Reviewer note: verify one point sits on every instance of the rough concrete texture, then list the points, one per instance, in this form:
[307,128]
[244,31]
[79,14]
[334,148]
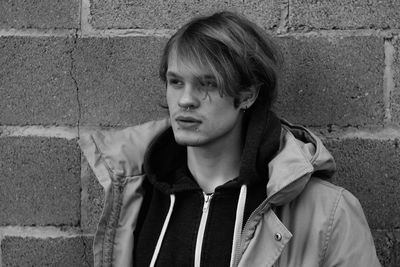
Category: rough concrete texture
[93,202]
[369,169]
[73,251]
[44,14]
[338,14]
[154,14]
[332,80]
[35,82]
[395,94]
[118,80]
[387,245]
[39,181]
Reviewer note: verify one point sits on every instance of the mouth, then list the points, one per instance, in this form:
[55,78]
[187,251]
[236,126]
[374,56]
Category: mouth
[187,122]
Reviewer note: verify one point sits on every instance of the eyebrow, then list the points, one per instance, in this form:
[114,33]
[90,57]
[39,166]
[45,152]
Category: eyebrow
[208,77]
[173,74]
[205,77]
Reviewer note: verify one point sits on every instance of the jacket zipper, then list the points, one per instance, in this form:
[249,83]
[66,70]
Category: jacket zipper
[202,227]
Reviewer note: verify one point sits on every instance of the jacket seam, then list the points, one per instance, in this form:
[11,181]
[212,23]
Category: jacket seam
[110,230]
[330,226]
[101,155]
[113,218]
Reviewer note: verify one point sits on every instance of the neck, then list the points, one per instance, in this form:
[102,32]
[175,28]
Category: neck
[217,163]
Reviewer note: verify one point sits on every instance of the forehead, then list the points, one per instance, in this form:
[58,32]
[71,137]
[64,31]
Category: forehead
[187,66]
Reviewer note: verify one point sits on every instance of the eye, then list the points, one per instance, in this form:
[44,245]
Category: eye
[175,83]
[209,85]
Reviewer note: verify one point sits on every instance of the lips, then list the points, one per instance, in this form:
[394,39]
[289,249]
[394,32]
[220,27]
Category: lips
[187,119]
[187,122]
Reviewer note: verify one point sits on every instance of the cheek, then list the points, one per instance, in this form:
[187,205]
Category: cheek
[170,96]
[224,117]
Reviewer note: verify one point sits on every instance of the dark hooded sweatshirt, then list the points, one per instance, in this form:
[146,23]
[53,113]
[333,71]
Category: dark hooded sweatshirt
[167,172]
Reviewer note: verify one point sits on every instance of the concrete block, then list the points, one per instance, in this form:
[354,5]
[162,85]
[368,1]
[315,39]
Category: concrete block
[153,14]
[369,169]
[395,87]
[35,82]
[44,14]
[118,80]
[387,245]
[332,80]
[63,251]
[94,199]
[337,14]
[39,181]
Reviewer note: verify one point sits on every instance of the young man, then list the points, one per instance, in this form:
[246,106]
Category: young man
[222,181]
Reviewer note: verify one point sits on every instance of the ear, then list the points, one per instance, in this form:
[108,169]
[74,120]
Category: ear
[248,97]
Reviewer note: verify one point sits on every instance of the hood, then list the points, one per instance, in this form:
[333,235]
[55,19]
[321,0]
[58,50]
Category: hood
[301,155]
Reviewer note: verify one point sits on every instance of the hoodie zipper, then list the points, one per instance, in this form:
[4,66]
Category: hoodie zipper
[202,227]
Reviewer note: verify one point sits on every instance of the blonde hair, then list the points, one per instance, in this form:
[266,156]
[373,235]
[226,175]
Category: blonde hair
[236,51]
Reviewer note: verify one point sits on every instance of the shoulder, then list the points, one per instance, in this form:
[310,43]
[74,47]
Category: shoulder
[323,207]
[346,233]
[328,200]
[320,193]
[119,152]
[330,222]
[323,191]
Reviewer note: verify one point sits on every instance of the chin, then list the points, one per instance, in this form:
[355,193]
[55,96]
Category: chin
[186,140]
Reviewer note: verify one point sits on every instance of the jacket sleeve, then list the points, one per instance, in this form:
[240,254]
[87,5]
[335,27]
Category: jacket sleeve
[116,158]
[350,242]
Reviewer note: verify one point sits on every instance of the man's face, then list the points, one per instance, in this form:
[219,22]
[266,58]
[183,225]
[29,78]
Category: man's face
[200,116]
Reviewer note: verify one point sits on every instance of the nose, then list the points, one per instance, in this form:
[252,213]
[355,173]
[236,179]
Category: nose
[189,97]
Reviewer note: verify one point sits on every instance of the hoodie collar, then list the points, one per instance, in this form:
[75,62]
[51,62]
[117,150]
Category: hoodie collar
[164,164]
[261,144]
[299,154]
[165,159]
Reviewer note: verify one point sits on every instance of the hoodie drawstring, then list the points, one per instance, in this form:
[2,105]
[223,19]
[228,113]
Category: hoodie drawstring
[163,230]
[236,234]
[238,224]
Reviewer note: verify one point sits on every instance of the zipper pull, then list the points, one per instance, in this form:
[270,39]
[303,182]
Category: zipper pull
[207,199]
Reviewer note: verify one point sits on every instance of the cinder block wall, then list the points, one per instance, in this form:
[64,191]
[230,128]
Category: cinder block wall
[67,66]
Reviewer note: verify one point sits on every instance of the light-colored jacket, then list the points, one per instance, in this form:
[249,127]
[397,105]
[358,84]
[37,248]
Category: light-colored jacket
[304,220]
